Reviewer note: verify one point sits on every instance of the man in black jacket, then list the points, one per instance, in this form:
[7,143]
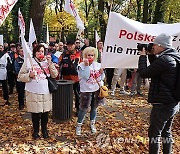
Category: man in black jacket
[162,71]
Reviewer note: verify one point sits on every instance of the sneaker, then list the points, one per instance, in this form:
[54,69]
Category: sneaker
[78,129]
[93,127]
[112,93]
[132,94]
[123,92]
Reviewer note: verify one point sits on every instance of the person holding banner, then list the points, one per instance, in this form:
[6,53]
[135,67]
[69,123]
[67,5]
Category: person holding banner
[163,72]
[89,72]
[38,97]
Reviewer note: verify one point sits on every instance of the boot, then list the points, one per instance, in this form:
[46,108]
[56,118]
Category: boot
[92,125]
[44,121]
[78,129]
[35,121]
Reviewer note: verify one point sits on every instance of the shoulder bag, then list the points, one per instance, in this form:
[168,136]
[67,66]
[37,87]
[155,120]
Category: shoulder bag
[52,83]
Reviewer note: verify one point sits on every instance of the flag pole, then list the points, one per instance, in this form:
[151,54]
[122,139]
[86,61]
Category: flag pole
[111,3]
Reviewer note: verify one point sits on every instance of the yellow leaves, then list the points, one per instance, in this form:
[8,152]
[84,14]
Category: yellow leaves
[122,127]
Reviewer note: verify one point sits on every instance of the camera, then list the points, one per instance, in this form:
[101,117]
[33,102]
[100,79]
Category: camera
[147,47]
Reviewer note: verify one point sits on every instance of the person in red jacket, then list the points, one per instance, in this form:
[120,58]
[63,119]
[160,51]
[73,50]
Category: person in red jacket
[69,61]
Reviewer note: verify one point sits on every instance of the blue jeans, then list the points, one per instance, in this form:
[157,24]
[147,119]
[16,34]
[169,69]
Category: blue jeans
[87,99]
[161,120]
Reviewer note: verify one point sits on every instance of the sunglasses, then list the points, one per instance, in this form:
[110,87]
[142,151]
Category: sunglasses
[90,55]
[78,42]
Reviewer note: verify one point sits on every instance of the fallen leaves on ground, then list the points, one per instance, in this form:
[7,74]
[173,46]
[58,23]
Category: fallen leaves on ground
[122,126]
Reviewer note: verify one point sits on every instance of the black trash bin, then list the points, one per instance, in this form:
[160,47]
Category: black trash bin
[62,101]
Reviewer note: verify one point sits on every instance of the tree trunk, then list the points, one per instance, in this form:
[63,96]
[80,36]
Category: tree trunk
[159,11]
[37,13]
[138,10]
[145,11]
[101,19]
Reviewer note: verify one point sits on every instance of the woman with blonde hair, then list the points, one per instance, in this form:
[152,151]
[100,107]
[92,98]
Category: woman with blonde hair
[89,72]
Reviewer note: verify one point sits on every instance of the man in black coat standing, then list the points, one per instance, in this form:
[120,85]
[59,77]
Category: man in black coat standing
[163,72]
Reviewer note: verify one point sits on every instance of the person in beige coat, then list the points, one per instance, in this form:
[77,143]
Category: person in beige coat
[38,97]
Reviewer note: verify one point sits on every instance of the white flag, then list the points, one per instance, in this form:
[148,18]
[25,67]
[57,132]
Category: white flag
[21,22]
[32,34]
[97,38]
[70,8]
[26,50]
[5,8]
[3,2]
[47,35]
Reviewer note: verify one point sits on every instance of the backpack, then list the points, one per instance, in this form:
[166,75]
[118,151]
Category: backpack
[176,90]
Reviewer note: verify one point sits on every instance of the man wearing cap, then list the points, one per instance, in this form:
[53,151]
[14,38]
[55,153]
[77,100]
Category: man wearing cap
[163,72]
[69,61]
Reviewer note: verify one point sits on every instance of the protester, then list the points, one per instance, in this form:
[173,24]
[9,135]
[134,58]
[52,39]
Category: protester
[163,73]
[20,86]
[90,72]
[86,44]
[38,97]
[136,84]
[100,50]
[61,47]
[119,72]
[3,74]
[52,51]
[6,47]
[69,61]
[10,68]
[77,45]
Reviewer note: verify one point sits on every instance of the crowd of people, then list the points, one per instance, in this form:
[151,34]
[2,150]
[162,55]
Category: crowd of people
[82,64]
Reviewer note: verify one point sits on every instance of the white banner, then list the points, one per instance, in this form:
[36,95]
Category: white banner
[5,9]
[71,9]
[123,35]
[3,2]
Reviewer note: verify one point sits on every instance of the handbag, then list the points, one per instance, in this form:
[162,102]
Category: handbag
[52,83]
[103,90]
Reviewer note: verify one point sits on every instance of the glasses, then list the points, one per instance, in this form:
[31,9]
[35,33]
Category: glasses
[77,42]
[90,55]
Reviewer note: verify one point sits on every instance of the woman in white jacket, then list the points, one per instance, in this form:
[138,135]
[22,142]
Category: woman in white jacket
[3,74]
[38,97]
[89,72]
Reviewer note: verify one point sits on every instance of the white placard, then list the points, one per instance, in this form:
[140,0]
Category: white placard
[122,36]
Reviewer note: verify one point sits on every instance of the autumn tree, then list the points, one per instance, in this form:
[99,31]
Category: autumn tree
[37,13]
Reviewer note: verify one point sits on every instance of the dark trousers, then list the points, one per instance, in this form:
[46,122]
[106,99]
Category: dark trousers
[76,89]
[5,89]
[109,76]
[20,86]
[36,117]
[11,81]
[161,119]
